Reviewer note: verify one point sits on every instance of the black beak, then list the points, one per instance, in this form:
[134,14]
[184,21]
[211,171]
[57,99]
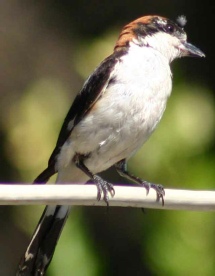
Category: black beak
[188,49]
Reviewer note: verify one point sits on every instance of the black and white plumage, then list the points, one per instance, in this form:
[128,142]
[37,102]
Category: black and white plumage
[116,111]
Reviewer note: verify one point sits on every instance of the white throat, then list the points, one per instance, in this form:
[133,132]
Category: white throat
[166,44]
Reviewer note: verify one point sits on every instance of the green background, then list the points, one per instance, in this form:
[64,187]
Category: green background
[47,50]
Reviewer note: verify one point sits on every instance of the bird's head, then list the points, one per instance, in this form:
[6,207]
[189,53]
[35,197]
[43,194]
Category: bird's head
[159,33]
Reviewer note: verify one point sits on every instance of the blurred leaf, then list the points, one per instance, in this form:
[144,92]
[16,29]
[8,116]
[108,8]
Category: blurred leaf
[93,51]
[33,125]
[75,254]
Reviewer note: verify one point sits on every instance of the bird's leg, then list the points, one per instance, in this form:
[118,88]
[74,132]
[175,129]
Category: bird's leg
[121,168]
[102,185]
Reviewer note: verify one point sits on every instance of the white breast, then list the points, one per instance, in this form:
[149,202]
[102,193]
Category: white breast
[127,113]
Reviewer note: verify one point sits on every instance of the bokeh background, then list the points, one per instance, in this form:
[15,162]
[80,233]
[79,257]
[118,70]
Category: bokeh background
[47,49]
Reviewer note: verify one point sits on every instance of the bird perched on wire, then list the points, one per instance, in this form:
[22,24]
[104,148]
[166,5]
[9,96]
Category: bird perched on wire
[113,115]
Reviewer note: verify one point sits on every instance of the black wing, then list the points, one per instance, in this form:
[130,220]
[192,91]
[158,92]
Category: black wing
[87,97]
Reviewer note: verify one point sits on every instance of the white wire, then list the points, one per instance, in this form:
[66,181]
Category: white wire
[124,197]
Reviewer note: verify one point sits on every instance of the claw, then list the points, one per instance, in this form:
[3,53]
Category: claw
[104,188]
[157,187]
[111,189]
[99,193]
[147,186]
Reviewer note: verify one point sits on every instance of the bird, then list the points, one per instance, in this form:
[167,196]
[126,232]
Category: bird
[113,115]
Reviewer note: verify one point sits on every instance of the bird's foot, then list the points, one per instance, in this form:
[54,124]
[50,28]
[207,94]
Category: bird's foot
[104,188]
[157,187]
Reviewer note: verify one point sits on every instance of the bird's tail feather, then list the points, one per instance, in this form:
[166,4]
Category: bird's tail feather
[43,242]
[45,175]
[42,245]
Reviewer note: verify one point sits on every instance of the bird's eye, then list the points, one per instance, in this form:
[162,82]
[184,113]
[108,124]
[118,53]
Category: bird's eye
[170,28]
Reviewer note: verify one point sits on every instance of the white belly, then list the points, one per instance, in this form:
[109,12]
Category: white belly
[124,117]
[116,131]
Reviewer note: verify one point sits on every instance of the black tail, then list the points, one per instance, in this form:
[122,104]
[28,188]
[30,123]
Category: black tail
[43,242]
[45,175]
